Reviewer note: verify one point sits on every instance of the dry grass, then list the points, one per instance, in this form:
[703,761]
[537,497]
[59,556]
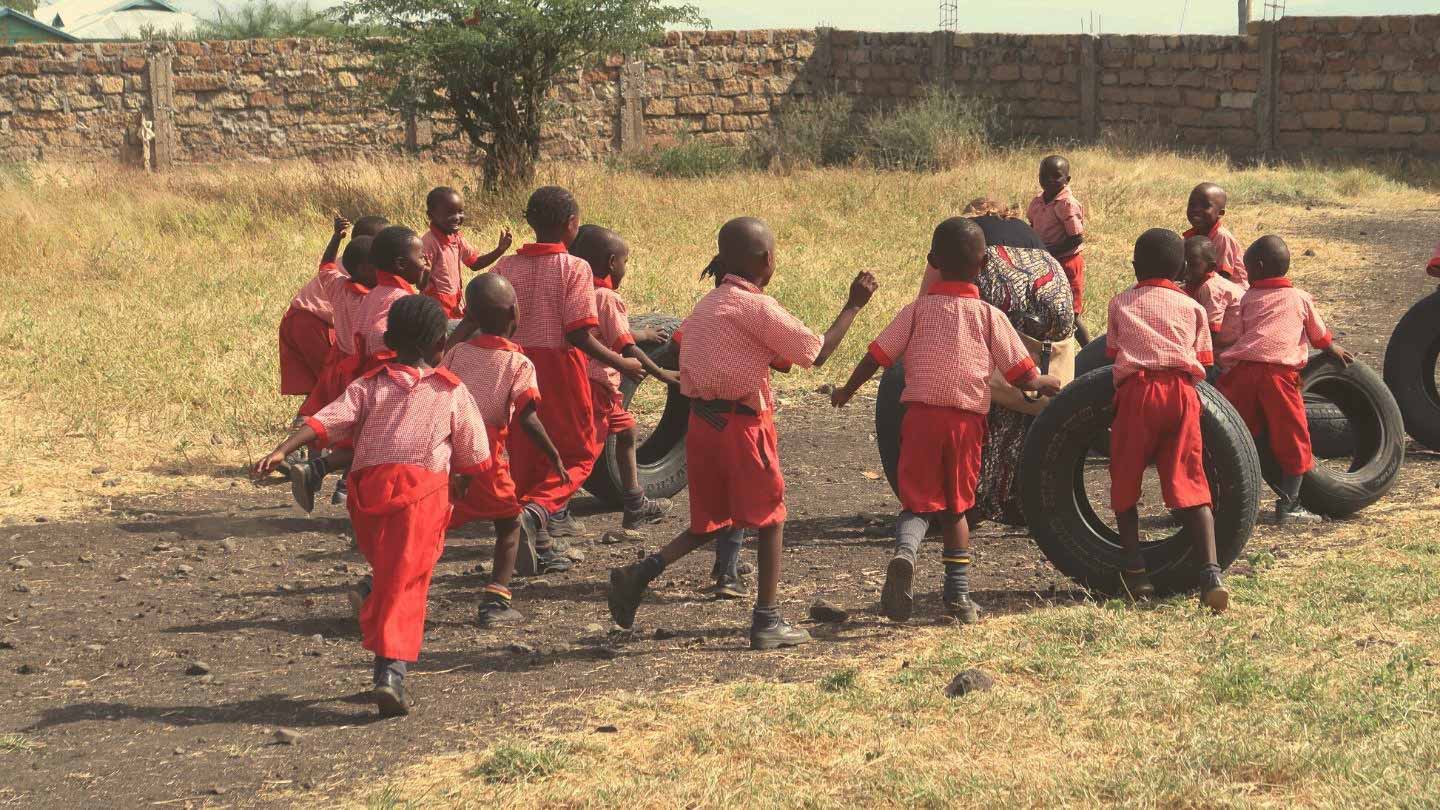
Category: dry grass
[139,334]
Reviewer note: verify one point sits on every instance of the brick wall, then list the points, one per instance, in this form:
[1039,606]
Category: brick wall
[1365,84]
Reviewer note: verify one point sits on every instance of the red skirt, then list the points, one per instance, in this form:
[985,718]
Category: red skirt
[305,343]
[399,512]
[491,495]
[734,476]
[1157,419]
[565,411]
[610,415]
[940,451]
[1268,398]
[1075,274]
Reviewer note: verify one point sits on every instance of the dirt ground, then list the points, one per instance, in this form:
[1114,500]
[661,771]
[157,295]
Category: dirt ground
[151,653]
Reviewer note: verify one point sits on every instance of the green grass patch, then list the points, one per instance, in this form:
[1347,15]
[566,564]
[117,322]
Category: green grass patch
[513,762]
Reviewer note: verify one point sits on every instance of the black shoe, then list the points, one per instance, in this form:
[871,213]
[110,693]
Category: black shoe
[567,526]
[550,561]
[1214,594]
[526,562]
[1137,584]
[627,588]
[342,489]
[305,481]
[963,609]
[728,586]
[652,510]
[897,601]
[391,697]
[778,633]
[495,610]
[1293,513]
[358,594]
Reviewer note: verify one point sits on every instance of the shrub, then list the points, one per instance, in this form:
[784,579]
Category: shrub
[690,157]
[810,132]
[930,134]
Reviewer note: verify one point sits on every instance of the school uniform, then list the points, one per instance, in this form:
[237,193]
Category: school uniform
[342,365]
[1159,340]
[306,332]
[1055,221]
[728,345]
[607,402]
[1219,296]
[447,253]
[951,342]
[555,296]
[411,430]
[1432,268]
[1229,253]
[502,380]
[1274,330]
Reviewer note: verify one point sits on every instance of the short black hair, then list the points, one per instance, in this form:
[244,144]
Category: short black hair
[415,324]
[596,244]
[369,225]
[437,194]
[389,245]
[1271,252]
[1056,162]
[356,253]
[1159,253]
[958,238]
[1202,242]
[550,207]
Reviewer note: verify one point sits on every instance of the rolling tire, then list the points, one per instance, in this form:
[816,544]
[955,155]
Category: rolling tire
[661,457]
[1091,357]
[1378,432]
[889,414]
[1066,525]
[1410,369]
[1330,433]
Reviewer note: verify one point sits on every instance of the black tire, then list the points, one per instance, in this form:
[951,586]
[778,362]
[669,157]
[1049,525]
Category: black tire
[1067,527]
[661,457]
[1410,369]
[1091,357]
[1378,432]
[889,414]
[1330,433]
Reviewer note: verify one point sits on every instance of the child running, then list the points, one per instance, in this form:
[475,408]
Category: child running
[1272,332]
[1204,211]
[951,342]
[1160,341]
[446,249]
[1217,294]
[727,347]
[413,425]
[502,380]
[1059,219]
[306,330]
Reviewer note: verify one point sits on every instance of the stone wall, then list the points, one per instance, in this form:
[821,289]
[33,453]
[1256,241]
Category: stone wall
[1365,84]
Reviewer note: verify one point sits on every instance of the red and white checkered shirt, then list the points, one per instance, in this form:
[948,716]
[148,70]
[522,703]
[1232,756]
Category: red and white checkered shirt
[315,296]
[447,252]
[951,341]
[1276,324]
[614,333]
[1219,296]
[374,313]
[500,377]
[345,301]
[1229,253]
[731,340]
[400,415]
[1433,267]
[1155,326]
[554,294]
[1057,220]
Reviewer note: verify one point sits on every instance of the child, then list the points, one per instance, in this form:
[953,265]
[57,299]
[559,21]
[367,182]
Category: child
[729,344]
[306,333]
[413,425]
[951,342]
[502,380]
[446,249]
[1059,219]
[1160,341]
[1204,210]
[608,256]
[1217,294]
[1271,333]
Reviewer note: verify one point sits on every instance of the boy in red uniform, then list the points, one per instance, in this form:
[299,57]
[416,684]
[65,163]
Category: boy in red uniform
[608,256]
[1205,210]
[951,342]
[305,331]
[1217,294]
[1159,339]
[413,425]
[1059,220]
[446,249]
[1271,337]
[502,380]
[729,344]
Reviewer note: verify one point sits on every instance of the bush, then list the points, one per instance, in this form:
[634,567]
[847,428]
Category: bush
[930,134]
[691,157]
[810,132]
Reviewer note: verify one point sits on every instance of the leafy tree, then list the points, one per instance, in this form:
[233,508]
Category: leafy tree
[490,63]
[26,7]
[270,19]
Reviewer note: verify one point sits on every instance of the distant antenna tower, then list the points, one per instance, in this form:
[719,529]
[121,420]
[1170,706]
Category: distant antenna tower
[949,15]
[1274,9]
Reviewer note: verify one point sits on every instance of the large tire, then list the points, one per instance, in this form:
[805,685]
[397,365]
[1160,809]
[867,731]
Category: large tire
[661,458]
[1091,357]
[1410,369]
[1067,527]
[889,414]
[1379,438]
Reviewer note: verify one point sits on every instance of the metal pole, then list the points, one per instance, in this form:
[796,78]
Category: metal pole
[1245,17]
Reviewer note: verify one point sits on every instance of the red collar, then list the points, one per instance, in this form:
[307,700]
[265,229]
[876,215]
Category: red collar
[604,283]
[1063,195]
[493,342]
[356,287]
[743,283]
[446,239]
[384,279]
[1210,235]
[957,289]
[1194,288]
[403,370]
[1164,283]
[542,249]
[1279,282]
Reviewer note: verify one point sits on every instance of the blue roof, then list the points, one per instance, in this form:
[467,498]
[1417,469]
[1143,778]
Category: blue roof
[6,11]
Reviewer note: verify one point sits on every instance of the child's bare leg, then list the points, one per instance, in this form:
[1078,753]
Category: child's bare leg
[768,630]
[1200,522]
[495,605]
[1136,581]
[639,509]
[628,584]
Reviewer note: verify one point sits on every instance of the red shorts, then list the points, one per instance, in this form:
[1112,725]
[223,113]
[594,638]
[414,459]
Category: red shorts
[940,451]
[305,343]
[1267,396]
[734,474]
[1157,419]
[491,495]
[610,414]
[1075,273]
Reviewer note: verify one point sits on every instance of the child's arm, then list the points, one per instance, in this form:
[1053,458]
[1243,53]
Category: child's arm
[584,339]
[302,436]
[1320,336]
[332,250]
[861,289]
[463,332]
[662,374]
[864,370]
[530,423]
[486,259]
[1066,246]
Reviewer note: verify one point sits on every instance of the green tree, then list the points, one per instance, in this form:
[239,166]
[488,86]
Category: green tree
[270,19]
[491,64]
[26,7]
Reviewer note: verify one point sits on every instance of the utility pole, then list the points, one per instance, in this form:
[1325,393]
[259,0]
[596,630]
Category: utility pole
[1245,17]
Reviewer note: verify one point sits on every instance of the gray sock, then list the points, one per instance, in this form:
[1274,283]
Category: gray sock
[1289,489]
[909,534]
[634,500]
[388,666]
[727,553]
